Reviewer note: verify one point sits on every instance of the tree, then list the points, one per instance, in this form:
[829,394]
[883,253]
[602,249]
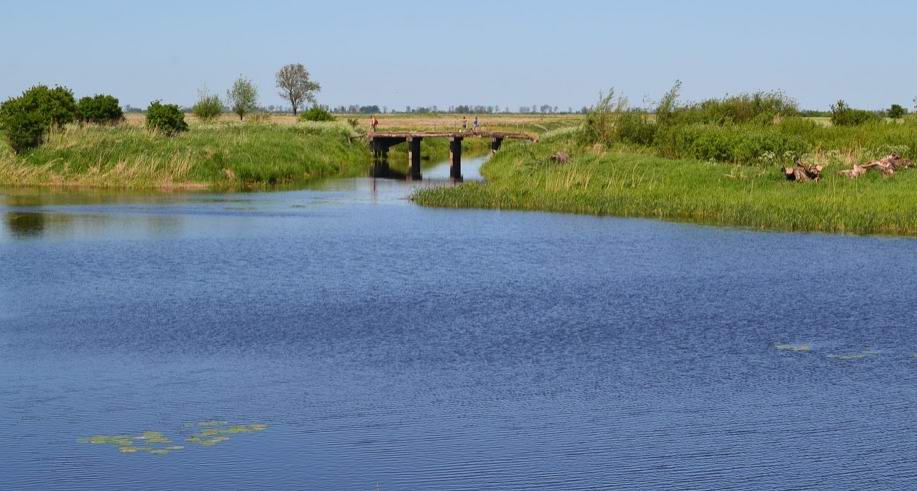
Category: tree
[296,86]
[896,111]
[207,107]
[242,97]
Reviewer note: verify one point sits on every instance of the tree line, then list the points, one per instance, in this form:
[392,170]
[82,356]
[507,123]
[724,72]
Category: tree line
[27,119]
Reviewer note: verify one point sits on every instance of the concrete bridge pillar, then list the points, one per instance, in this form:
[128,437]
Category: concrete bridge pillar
[455,157]
[414,158]
[495,144]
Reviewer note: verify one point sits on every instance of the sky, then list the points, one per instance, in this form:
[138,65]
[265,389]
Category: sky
[505,53]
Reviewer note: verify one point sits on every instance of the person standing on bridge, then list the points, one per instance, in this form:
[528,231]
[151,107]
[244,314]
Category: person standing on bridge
[475,124]
[373,123]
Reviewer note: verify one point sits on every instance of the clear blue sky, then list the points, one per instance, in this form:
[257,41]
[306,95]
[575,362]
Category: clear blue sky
[506,53]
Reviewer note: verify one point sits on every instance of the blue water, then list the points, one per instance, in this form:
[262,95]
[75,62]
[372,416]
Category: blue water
[388,346]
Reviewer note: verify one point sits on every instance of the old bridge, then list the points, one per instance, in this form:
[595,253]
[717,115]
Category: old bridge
[380,142]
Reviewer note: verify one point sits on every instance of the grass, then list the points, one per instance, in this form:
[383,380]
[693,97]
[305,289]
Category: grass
[219,155]
[636,182]
[262,151]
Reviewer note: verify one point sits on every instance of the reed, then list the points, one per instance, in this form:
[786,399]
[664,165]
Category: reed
[637,183]
[220,155]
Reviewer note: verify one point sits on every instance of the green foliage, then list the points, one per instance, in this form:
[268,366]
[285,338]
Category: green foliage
[296,85]
[242,98]
[761,108]
[844,115]
[747,144]
[167,119]
[57,104]
[223,156]
[207,107]
[598,126]
[665,110]
[23,123]
[27,118]
[316,113]
[624,183]
[100,109]
[896,111]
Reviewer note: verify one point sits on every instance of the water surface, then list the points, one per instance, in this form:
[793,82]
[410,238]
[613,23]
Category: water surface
[384,345]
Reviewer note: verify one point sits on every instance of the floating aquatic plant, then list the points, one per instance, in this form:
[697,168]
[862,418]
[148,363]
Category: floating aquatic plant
[798,348]
[209,433]
[854,356]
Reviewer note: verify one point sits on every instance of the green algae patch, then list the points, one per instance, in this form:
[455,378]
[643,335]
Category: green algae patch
[796,348]
[205,434]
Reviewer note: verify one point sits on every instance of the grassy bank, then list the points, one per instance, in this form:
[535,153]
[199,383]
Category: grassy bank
[228,154]
[218,155]
[634,181]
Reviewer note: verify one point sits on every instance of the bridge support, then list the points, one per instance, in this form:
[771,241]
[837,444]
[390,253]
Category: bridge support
[455,157]
[495,144]
[414,158]
[381,144]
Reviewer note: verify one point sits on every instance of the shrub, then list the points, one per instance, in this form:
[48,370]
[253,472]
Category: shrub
[165,118]
[896,111]
[23,124]
[207,108]
[100,109]
[635,127]
[844,115]
[745,144]
[57,104]
[316,113]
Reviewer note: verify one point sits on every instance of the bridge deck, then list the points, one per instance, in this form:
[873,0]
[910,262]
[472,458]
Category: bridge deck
[452,134]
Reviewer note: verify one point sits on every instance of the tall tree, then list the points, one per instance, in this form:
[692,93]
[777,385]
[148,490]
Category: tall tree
[242,97]
[296,86]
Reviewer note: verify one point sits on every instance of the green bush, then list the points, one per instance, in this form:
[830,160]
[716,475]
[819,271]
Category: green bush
[316,113]
[27,118]
[207,108]
[23,124]
[760,108]
[745,144]
[635,127]
[100,109]
[167,119]
[57,104]
[844,115]
[896,111]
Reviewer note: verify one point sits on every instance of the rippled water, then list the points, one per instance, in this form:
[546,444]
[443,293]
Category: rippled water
[374,344]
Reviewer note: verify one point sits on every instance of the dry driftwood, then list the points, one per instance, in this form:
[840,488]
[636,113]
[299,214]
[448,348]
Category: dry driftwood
[561,157]
[803,172]
[887,166]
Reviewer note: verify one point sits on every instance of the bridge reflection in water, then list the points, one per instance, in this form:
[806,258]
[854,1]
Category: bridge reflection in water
[381,142]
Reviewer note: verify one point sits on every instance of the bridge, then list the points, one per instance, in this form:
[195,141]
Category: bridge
[380,142]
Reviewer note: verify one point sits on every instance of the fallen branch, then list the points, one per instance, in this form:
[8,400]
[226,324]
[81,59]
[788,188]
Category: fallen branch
[887,166]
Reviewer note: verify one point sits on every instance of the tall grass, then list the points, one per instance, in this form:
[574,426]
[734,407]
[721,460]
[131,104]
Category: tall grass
[214,154]
[633,184]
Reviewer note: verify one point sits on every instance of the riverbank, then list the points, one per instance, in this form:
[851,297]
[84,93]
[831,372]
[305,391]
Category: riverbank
[631,181]
[222,155]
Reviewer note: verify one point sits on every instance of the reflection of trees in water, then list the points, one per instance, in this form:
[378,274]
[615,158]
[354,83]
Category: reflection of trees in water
[25,224]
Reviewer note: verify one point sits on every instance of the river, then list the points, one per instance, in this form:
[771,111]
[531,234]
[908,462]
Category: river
[340,337]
